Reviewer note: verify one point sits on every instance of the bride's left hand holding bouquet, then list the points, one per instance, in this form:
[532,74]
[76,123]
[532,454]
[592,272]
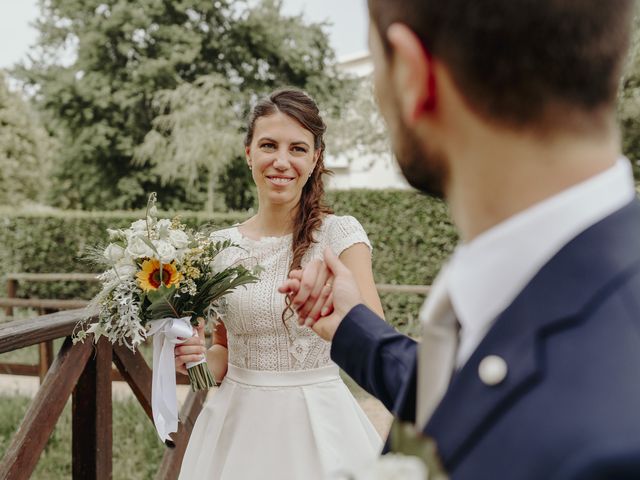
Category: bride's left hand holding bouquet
[161,280]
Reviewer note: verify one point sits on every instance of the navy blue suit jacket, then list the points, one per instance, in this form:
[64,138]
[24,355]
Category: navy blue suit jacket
[569,407]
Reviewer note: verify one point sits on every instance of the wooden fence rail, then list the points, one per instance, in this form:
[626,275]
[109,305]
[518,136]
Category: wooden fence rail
[49,305]
[44,306]
[83,372]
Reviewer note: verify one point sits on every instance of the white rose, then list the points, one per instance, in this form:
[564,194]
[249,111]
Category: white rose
[178,239]
[162,227]
[113,252]
[166,251]
[139,226]
[137,248]
[125,270]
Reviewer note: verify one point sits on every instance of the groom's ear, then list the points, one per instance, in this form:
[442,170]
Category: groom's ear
[412,73]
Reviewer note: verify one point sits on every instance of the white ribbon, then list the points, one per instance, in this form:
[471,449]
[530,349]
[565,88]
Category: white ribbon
[167,333]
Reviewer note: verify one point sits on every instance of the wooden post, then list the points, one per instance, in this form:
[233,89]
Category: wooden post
[92,418]
[27,444]
[12,290]
[45,354]
[135,371]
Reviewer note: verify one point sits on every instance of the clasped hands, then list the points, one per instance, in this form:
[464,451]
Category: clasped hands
[322,293]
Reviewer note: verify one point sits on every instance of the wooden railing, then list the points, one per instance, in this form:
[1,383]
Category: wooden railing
[44,306]
[83,371]
[49,305]
[391,288]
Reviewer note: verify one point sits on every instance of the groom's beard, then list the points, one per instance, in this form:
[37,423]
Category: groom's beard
[424,167]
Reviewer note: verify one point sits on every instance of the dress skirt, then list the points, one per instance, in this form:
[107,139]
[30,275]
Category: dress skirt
[300,425]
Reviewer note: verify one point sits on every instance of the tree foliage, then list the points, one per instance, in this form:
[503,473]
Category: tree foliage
[237,186]
[25,150]
[629,102]
[197,130]
[117,89]
[358,129]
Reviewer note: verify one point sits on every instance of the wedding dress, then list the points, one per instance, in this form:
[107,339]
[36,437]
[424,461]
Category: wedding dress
[282,411]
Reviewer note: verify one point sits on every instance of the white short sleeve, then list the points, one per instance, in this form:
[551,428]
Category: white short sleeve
[343,232]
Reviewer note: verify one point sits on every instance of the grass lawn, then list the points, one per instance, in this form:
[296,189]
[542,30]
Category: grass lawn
[137,451]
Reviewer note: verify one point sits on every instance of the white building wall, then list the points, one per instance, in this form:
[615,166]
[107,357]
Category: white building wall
[375,172]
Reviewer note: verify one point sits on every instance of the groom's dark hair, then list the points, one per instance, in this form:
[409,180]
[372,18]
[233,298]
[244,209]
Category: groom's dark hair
[521,62]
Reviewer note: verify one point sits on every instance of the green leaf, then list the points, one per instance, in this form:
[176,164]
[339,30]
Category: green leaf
[161,294]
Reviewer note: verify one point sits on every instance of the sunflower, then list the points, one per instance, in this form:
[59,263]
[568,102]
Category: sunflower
[149,276]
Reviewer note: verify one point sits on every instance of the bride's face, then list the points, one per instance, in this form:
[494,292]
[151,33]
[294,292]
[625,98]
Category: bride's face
[281,157]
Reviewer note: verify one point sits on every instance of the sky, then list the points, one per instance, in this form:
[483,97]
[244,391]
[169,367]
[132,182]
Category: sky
[347,25]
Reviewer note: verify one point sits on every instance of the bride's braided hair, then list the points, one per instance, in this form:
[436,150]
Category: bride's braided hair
[312,209]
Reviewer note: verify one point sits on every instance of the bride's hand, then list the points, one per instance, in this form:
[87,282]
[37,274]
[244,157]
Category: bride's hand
[322,294]
[192,350]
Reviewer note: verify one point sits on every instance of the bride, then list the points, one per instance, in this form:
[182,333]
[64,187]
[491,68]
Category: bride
[282,411]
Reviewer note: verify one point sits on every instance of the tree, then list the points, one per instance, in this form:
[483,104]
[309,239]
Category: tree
[629,102]
[25,149]
[198,130]
[359,129]
[236,184]
[130,55]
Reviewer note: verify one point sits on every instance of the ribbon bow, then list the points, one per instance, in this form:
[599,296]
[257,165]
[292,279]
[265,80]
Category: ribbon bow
[167,333]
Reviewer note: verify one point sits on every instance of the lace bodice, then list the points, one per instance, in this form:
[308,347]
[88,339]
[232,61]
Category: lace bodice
[257,337]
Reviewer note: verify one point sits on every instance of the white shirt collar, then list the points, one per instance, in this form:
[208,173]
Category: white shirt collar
[485,275]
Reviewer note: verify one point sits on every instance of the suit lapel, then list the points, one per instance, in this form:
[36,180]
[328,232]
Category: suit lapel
[592,262]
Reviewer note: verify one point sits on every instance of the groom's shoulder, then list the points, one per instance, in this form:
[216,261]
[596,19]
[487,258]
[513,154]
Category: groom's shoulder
[622,302]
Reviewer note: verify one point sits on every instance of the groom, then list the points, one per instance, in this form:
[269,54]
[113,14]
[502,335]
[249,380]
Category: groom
[529,362]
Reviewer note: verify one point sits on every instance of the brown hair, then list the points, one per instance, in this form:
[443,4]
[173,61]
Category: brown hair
[521,62]
[312,209]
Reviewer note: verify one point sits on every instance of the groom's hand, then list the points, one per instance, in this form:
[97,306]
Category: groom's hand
[322,294]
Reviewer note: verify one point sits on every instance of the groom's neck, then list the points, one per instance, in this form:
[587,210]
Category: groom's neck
[495,174]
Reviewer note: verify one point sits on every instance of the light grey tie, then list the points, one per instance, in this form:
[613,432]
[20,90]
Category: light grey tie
[437,354]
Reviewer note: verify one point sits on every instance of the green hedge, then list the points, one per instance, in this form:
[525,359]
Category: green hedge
[411,236]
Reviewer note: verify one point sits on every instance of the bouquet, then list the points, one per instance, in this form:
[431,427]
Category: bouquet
[161,279]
